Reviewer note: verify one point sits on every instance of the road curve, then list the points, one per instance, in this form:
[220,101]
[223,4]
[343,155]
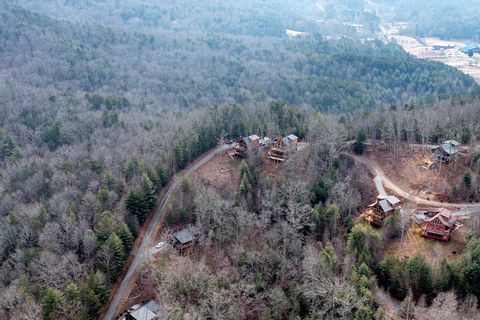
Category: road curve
[140,252]
[382,181]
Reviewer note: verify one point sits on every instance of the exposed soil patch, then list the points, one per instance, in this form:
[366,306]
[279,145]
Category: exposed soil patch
[408,168]
[220,173]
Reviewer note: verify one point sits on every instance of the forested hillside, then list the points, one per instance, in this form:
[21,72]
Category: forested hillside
[438,18]
[98,108]
[191,69]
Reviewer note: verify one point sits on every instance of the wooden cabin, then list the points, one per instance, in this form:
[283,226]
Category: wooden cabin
[278,153]
[385,206]
[447,152]
[245,146]
[239,149]
[185,240]
[254,142]
[145,311]
[439,226]
[291,142]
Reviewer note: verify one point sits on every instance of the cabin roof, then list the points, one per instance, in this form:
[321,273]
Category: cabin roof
[392,200]
[146,312]
[253,137]
[292,137]
[445,218]
[185,236]
[449,146]
[385,205]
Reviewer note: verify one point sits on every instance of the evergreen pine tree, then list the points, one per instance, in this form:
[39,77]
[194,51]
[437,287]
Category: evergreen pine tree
[105,226]
[162,173]
[155,179]
[245,186]
[149,196]
[126,236]
[134,204]
[72,294]
[116,246]
[179,156]
[52,300]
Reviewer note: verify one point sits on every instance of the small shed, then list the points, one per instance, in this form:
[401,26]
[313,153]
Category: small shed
[184,240]
[440,226]
[447,152]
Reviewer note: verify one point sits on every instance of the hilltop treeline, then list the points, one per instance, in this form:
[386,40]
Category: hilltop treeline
[197,69]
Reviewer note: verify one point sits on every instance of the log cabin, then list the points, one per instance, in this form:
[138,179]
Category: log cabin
[440,226]
[385,206]
[447,152]
[185,240]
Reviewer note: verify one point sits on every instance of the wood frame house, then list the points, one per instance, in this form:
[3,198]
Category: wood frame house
[283,147]
[447,152]
[291,142]
[254,142]
[245,146]
[385,206]
[185,240]
[278,153]
[439,226]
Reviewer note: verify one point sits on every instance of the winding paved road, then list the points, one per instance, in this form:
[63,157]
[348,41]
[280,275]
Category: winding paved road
[382,181]
[149,234]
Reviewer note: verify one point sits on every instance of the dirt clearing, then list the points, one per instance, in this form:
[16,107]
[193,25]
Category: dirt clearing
[409,170]
[434,251]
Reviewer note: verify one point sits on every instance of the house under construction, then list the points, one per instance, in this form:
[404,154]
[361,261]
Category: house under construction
[282,148]
[244,146]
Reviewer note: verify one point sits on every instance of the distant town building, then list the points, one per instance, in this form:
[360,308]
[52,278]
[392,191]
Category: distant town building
[184,240]
[470,49]
[447,152]
[385,206]
[145,311]
[438,224]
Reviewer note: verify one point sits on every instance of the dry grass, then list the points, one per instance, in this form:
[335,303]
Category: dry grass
[434,251]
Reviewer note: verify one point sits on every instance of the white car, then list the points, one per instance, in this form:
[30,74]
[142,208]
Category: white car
[159,245]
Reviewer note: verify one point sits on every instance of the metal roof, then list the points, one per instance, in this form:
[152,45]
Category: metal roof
[392,200]
[450,146]
[453,142]
[385,205]
[253,137]
[145,312]
[186,235]
[292,137]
